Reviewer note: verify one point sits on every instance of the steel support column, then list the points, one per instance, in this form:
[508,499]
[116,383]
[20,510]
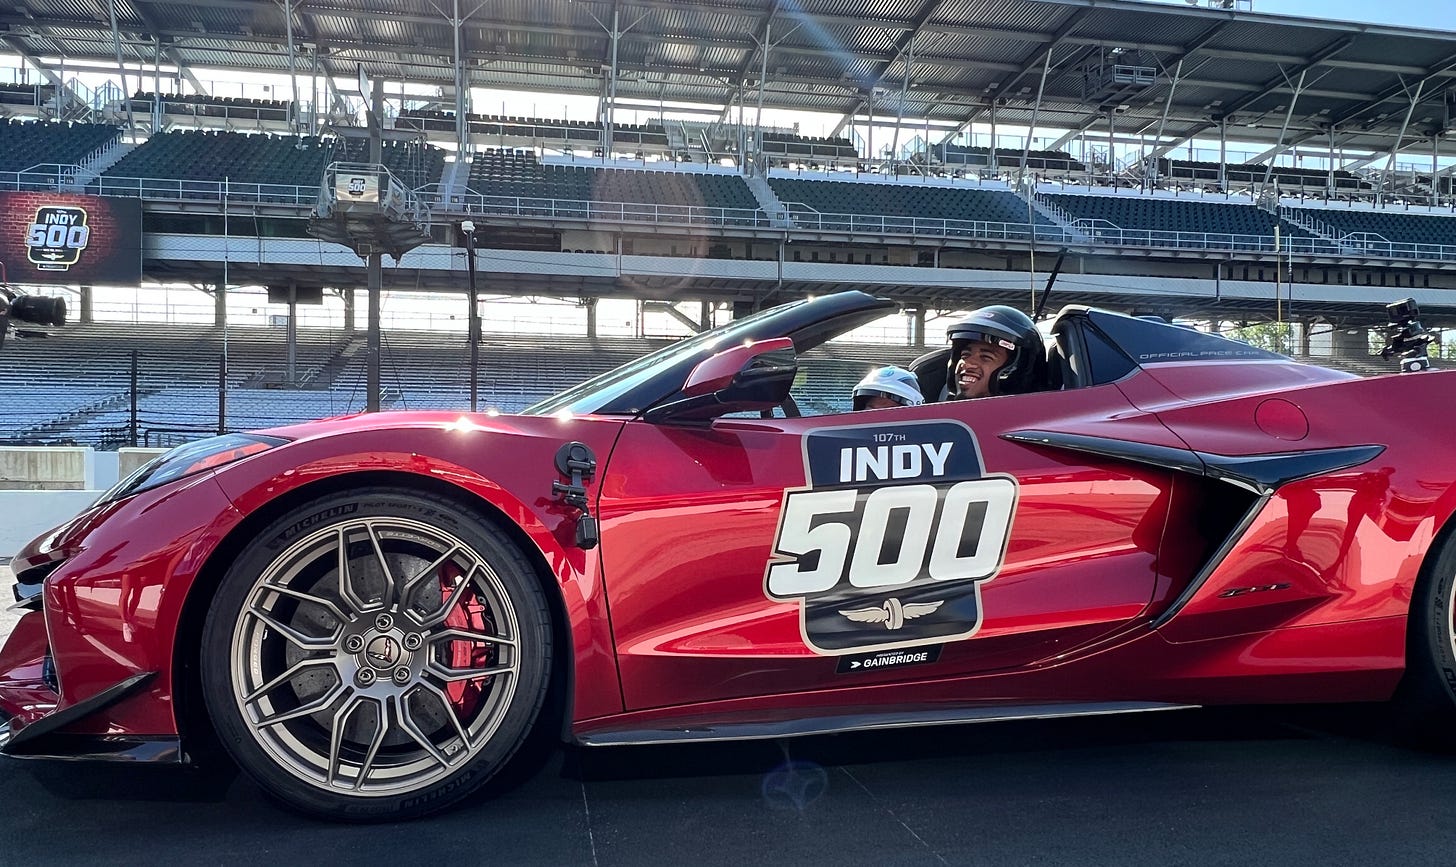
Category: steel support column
[1284,129]
[376,260]
[900,112]
[292,72]
[1385,176]
[1035,110]
[870,126]
[1435,179]
[608,121]
[991,155]
[313,95]
[1177,74]
[157,84]
[462,87]
[762,78]
[1223,154]
[121,67]
[1111,147]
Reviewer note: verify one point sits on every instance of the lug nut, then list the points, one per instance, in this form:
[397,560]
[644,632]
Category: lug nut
[365,676]
[383,622]
[354,643]
[402,675]
[413,641]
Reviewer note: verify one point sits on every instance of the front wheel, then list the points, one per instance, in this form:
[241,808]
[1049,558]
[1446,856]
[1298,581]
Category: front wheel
[1427,695]
[377,654]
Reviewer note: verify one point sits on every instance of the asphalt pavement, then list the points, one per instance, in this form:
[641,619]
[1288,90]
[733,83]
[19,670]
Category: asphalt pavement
[1293,786]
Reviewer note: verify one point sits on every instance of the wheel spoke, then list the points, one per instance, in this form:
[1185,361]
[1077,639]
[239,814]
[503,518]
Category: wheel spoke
[301,665]
[384,571]
[326,604]
[470,635]
[305,642]
[455,675]
[306,709]
[411,584]
[449,709]
[456,594]
[380,730]
[407,722]
[346,578]
[336,737]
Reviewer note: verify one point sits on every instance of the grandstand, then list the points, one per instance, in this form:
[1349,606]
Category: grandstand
[178,369]
[1008,142]
[25,144]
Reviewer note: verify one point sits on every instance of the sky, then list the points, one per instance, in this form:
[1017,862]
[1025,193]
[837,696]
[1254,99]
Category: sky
[1430,14]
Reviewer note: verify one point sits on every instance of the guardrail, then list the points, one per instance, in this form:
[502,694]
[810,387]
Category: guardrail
[476,204]
[434,199]
[231,192]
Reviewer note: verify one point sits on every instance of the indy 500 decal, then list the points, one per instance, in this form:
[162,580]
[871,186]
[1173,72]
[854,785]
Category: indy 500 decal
[889,544]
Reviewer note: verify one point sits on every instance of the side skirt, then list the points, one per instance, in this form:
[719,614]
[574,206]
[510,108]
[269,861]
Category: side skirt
[747,731]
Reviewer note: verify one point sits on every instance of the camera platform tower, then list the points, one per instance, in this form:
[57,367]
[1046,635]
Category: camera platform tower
[366,208]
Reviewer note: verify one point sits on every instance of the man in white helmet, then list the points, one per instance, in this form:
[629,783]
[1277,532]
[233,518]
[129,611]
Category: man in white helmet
[887,387]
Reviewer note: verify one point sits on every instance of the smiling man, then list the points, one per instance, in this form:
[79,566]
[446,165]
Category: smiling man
[995,350]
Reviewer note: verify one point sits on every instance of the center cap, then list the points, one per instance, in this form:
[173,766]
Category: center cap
[383,653]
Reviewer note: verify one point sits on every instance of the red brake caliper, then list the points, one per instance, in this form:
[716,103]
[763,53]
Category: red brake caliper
[469,614]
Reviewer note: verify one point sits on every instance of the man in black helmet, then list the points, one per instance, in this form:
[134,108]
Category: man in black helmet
[995,350]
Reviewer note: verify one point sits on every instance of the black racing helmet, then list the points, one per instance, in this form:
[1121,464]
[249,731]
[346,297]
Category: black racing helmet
[1011,329]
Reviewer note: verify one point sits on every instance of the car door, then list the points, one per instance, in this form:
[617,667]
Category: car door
[755,556]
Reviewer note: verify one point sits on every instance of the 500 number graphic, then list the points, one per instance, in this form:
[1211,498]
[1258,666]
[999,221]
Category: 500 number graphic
[57,236]
[904,532]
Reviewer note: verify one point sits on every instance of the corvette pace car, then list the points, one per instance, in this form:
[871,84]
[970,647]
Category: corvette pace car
[372,613]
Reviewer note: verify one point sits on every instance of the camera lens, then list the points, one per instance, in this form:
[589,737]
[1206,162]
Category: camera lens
[39,310]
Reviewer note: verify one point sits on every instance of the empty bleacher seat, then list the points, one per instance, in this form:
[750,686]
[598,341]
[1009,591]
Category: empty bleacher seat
[1149,214]
[26,144]
[933,202]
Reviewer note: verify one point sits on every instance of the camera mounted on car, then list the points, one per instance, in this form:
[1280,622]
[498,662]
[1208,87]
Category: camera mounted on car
[1405,338]
[34,309]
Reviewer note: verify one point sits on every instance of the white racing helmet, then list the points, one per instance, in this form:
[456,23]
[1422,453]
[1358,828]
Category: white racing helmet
[896,383]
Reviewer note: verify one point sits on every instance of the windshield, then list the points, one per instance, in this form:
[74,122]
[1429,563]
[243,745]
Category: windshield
[600,391]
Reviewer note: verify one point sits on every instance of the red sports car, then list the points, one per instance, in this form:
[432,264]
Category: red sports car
[373,613]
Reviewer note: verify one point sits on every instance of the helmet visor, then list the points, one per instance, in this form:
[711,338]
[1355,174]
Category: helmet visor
[862,397]
[971,335]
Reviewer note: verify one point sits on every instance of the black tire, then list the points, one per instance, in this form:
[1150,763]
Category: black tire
[393,693]
[1426,700]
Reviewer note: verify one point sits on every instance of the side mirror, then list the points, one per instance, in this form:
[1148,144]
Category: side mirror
[749,377]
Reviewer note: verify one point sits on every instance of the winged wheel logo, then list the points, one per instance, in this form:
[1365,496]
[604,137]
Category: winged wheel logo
[892,613]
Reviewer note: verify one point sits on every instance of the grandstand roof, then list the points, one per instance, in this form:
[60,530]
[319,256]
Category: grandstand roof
[829,55]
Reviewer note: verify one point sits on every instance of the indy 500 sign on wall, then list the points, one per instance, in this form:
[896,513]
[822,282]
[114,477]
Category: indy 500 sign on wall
[68,238]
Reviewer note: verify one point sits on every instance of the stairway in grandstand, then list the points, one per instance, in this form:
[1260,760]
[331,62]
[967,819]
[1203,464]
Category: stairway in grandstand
[94,165]
[1049,210]
[1309,223]
[778,214]
[81,417]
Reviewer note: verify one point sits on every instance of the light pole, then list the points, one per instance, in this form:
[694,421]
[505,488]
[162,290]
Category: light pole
[467,231]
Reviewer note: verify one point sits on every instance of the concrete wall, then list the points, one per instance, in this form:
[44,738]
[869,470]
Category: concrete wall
[47,469]
[42,488]
[129,460]
[25,515]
